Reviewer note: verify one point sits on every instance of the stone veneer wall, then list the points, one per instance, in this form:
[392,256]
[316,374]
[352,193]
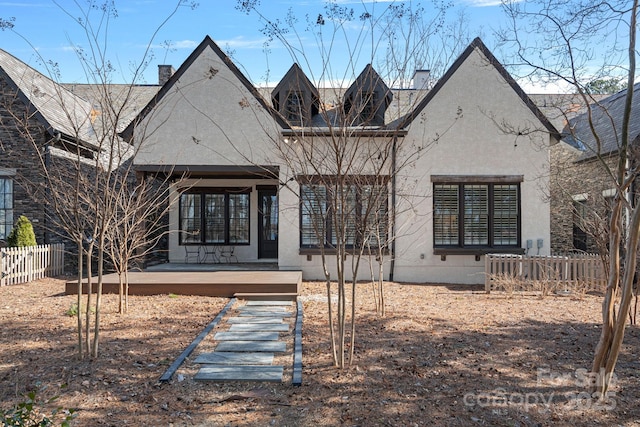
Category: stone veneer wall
[20,138]
[570,178]
[17,151]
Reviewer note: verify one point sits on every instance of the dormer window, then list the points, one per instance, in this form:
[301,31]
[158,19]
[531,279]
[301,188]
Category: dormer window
[296,98]
[366,101]
[294,107]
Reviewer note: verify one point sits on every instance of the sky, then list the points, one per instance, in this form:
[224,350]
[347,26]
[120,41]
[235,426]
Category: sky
[47,32]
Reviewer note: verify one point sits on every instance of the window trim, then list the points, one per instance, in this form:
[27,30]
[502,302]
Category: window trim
[490,181]
[203,192]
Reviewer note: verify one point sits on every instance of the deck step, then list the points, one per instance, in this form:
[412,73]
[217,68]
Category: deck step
[273,308]
[263,313]
[262,296]
[272,303]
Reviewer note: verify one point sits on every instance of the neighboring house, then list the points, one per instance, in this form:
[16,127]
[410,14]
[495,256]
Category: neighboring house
[581,186]
[44,124]
[40,122]
[477,185]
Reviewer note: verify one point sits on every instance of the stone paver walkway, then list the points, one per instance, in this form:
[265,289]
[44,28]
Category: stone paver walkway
[246,349]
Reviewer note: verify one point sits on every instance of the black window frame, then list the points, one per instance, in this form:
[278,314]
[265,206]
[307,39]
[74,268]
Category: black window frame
[227,194]
[6,206]
[579,234]
[327,212]
[491,245]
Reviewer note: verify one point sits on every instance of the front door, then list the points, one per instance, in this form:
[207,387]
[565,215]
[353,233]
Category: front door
[267,222]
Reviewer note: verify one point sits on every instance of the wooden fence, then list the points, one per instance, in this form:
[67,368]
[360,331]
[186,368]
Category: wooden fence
[562,273]
[21,265]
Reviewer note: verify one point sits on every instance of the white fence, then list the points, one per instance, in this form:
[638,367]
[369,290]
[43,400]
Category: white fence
[21,265]
[573,272]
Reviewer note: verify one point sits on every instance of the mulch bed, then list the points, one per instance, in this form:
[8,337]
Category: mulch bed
[443,355]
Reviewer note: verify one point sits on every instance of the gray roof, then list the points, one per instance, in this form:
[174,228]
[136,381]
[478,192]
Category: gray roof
[125,100]
[55,107]
[404,100]
[606,117]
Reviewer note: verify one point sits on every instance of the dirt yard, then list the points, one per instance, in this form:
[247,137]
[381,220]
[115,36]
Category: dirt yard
[443,356]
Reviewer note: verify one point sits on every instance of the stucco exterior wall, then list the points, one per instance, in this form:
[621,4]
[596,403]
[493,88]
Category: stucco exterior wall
[206,118]
[471,127]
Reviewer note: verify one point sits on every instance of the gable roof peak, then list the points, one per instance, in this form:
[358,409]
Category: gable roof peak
[295,76]
[369,80]
[207,42]
[478,44]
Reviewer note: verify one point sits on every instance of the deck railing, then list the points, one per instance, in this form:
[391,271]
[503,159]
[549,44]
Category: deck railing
[571,272]
[21,265]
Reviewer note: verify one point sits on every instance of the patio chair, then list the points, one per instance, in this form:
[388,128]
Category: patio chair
[211,251]
[191,252]
[227,254]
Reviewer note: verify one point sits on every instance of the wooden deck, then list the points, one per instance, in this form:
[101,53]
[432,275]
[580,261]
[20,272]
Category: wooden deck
[205,283]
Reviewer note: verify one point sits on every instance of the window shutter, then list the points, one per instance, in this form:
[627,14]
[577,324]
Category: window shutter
[476,215]
[445,214]
[505,215]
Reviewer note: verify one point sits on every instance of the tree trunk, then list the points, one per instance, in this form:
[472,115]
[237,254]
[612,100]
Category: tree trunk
[88,306]
[79,300]
[96,326]
[613,351]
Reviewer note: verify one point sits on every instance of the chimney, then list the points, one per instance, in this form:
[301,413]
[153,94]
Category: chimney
[164,73]
[421,79]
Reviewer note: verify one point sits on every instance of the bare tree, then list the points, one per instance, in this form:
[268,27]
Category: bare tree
[343,145]
[139,224]
[85,165]
[563,54]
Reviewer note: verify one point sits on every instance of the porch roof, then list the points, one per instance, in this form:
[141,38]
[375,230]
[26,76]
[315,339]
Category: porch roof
[209,171]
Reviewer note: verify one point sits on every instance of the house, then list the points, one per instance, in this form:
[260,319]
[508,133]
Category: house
[581,185]
[459,173]
[55,129]
[40,123]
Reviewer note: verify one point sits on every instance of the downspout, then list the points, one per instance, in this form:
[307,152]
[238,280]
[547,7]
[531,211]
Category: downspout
[393,208]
